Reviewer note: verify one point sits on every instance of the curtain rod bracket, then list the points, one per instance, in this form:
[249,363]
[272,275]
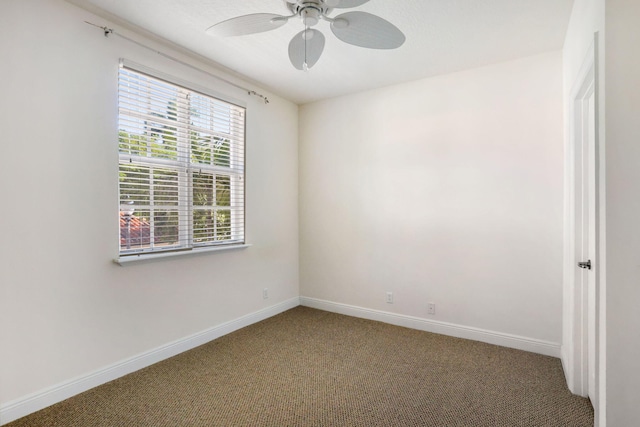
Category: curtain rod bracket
[254,93]
[106,29]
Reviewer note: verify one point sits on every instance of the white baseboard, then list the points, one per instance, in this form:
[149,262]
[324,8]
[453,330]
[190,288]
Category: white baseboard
[506,340]
[19,408]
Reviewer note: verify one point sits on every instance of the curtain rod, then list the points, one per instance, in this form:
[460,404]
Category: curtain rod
[108,31]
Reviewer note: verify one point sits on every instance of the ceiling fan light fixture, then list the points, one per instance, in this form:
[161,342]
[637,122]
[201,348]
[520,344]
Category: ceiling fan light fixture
[310,16]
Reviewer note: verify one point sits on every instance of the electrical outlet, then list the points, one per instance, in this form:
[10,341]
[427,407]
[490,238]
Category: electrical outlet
[431,308]
[389,297]
[265,293]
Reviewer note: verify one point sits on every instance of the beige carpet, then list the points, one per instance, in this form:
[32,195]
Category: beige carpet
[312,368]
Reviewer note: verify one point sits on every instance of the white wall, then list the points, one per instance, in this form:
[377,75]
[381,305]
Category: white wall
[65,308]
[444,190]
[622,171]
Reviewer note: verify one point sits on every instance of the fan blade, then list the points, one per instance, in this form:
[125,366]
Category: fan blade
[248,24]
[345,4]
[305,48]
[367,30]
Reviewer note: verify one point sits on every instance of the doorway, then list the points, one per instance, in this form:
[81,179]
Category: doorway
[585,231]
[582,342]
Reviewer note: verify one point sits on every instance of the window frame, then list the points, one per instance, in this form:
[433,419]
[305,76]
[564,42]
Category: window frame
[185,170]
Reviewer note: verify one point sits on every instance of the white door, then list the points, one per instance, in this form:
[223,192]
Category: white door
[585,233]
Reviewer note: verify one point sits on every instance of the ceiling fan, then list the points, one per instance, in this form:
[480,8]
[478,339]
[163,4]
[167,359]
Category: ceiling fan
[357,28]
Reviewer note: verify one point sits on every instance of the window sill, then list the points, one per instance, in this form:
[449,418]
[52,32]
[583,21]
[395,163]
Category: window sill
[144,257]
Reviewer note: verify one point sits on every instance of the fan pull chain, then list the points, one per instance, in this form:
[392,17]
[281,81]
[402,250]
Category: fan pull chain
[305,66]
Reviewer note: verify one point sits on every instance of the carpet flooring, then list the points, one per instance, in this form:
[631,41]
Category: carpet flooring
[307,367]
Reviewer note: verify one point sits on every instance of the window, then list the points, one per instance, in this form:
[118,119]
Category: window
[181,167]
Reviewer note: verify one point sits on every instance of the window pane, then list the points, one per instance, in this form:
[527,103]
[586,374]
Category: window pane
[165,227]
[209,114]
[222,152]
[200,148]
[210,150]
[148,116]
[132,143]
[135,184]
[203,225]
[223,220]
[211,225]
[201,114]
[141,185]
[163,139]
[135,230]
[165,187]
[223,190]
[203,189]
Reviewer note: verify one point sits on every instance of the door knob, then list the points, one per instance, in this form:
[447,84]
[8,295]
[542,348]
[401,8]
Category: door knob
[586,265]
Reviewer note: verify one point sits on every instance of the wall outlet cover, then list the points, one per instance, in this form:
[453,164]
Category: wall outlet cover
[431,308]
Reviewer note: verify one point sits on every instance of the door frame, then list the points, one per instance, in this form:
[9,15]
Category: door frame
[575,305]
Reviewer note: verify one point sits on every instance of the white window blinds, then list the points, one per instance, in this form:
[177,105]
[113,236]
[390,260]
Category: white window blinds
[181,167]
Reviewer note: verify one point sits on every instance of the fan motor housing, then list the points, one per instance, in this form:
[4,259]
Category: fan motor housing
[300,6]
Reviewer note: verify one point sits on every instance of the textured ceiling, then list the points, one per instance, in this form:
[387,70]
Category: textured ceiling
[443,36]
